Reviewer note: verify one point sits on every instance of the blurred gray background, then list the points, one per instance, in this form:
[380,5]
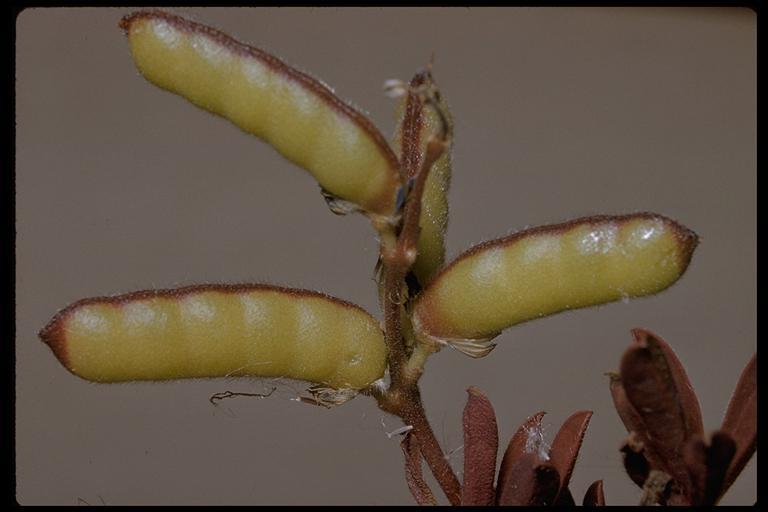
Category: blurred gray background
[560,113]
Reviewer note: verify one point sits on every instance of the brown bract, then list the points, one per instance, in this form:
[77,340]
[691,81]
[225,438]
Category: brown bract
[531,473]
[667,452]
[413,119]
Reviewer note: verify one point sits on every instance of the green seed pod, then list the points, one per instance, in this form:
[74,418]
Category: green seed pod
[549,269]
[415,125]
[295,113]
[216,331]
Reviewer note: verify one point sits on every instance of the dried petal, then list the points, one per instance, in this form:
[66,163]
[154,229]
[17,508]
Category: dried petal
[413,475]
[519,445]
[481,442]
[529,482]
[473,348]
[595,496]
[650,386]
[566,445]
[741,421]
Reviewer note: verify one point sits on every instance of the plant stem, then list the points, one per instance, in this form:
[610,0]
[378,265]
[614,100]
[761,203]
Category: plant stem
[403,399]
[413,414]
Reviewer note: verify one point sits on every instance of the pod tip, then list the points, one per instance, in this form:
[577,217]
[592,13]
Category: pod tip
[53,336]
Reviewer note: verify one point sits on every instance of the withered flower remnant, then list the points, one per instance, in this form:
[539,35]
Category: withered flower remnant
[667,452]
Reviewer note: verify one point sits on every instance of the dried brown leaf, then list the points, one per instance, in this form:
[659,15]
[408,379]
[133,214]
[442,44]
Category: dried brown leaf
[516,449]
[741,421]
[566,445]
[639,455]
[627,412]
[651,380]
[689,403]
[481,443]
[529,482]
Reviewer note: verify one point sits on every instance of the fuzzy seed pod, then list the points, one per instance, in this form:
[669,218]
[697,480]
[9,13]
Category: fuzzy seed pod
[216,331]
[298,115]
[545,270]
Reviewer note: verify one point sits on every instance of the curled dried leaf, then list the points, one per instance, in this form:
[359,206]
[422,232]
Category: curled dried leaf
[652,387]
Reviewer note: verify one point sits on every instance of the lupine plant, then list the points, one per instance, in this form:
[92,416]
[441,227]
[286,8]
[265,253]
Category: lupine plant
[343,351]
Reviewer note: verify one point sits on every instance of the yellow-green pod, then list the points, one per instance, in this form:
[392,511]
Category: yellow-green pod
[416,123]
[548,269]
[295,113]
[216,331]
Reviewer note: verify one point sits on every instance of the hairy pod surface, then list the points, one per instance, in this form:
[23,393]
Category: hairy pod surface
[216,331]
[548,269]
[298,115]
[415,125]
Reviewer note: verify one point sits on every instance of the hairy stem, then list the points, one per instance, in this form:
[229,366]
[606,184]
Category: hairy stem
[403,399]
[413,414]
